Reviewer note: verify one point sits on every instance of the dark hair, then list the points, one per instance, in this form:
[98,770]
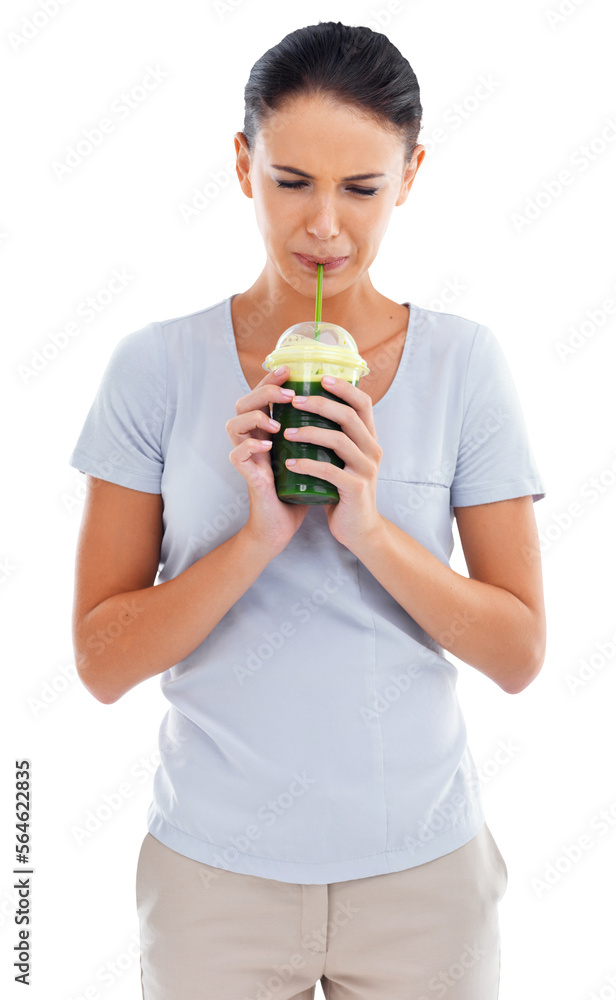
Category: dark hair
[356,65]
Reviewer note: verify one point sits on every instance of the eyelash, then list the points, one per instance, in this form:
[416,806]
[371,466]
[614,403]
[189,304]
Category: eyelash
[299,184]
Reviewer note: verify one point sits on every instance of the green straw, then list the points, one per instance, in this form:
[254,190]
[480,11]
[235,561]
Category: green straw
[317,317]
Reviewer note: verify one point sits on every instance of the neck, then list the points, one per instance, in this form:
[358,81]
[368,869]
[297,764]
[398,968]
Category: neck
[358,308]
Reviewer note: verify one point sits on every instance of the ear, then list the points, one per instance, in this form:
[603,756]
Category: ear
[242,163]
[409,174]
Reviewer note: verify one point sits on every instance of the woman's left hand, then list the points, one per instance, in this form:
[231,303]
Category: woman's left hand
[355,516]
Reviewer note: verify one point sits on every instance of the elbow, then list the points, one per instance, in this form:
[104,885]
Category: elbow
[94,681]
[530,659]
[519,680]
[105,697]
[99,691]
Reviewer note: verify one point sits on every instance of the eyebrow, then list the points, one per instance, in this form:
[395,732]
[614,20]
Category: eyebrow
[301,173]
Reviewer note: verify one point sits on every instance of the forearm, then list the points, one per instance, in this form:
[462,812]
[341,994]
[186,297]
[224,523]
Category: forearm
[481,624]
[132,636]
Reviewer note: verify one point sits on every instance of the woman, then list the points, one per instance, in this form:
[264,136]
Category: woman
[316,811]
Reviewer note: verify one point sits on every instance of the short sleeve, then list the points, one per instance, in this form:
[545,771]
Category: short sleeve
[121,439]
[495,460]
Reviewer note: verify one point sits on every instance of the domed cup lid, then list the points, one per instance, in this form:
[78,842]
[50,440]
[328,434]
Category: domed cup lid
[334,346]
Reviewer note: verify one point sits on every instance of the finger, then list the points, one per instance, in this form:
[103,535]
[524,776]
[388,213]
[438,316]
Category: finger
[279,373]
[351,421]
[355,459]
[254,420]
[322,470]
[247,449]
[355,397]
[263,394]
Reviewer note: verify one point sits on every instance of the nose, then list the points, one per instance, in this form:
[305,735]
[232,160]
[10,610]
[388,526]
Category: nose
[323,221]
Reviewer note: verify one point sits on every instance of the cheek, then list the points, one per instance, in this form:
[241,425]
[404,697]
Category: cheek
[275,219]
[379,221]
[268,218]
[371,228]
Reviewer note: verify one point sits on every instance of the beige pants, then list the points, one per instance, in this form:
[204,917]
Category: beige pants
[419,934]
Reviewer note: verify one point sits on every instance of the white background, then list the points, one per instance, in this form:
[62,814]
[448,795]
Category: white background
[533,282]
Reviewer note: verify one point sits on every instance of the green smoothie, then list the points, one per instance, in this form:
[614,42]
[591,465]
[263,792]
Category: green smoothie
[290,486]
[311,350]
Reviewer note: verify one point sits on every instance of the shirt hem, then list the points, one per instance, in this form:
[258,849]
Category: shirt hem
[467,497]
[84,463]
[317,873]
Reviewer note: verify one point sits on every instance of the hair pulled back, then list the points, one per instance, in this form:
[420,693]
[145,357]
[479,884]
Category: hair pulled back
[355,65]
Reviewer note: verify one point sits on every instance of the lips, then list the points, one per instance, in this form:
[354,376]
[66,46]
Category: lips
[321,260]
[312,262]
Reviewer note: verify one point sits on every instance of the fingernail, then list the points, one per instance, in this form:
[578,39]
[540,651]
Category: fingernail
[292,430]
[279,371]
[328,380]
[299,399]
[274,423]
[288,392]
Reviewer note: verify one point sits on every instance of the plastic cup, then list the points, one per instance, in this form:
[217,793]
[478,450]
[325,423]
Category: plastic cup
[333,353]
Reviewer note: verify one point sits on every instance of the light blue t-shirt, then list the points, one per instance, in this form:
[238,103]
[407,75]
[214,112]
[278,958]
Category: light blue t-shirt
[315,735]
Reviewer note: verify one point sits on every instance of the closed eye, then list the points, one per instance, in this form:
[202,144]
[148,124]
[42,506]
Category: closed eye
[300,184]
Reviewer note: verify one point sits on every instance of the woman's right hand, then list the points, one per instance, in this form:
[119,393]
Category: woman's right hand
[271,521]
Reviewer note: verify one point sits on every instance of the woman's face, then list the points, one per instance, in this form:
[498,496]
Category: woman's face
[325,214]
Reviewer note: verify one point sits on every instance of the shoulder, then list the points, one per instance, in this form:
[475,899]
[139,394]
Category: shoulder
[452,342]
[447,331]
[160,344]
[194,324]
